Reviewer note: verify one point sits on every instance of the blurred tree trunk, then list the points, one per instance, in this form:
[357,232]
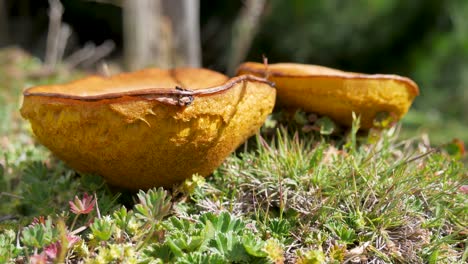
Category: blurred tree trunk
[185,24]
[163,33]
[141,32]
[57,35]
[244,30]
[4,34]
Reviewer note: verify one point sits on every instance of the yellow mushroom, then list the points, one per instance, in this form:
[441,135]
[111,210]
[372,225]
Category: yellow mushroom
[336,93]
[148,128]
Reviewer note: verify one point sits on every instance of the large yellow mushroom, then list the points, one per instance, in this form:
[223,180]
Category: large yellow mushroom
[336,93]
[148,128]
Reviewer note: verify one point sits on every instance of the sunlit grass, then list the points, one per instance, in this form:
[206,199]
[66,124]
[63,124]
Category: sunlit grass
[388,201]
[286,196]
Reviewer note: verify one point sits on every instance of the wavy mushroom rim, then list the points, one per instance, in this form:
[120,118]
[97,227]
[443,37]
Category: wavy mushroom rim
[160,94]
[407,81]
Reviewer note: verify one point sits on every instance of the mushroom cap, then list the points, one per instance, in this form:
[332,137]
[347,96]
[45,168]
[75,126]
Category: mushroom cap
[336,93]
[148,128]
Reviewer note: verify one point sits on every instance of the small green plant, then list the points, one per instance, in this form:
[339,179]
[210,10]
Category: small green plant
[289,198]
[8,249]
[372,198]
[143,234]
[309,193]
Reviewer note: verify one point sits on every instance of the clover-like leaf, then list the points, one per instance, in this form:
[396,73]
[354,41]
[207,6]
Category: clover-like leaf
[279,227]
[253,245]
[327,126]
[153,205]
[223,222]
[39,235]
[229,245]
[103,228]
[198,257]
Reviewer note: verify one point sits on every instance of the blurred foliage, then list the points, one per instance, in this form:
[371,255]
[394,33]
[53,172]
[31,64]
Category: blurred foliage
[425,40]
[216,20]
[363,35]
[440,64]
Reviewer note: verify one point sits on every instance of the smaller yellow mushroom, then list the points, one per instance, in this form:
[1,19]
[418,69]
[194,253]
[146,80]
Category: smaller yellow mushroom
[148,128]
[336,93]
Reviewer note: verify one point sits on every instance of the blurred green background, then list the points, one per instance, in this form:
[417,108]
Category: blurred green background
[426,40]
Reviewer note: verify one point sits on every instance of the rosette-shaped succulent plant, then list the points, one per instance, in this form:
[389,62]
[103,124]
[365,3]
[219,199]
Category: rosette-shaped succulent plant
[148,128]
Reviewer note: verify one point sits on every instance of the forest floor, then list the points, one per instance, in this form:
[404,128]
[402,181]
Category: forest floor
[285,196]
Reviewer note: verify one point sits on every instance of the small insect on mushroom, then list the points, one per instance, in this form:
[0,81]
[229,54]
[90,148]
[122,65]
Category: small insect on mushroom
[184,100]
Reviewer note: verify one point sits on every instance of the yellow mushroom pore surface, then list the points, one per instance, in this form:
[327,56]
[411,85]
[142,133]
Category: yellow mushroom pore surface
[338,94]
[136,142]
